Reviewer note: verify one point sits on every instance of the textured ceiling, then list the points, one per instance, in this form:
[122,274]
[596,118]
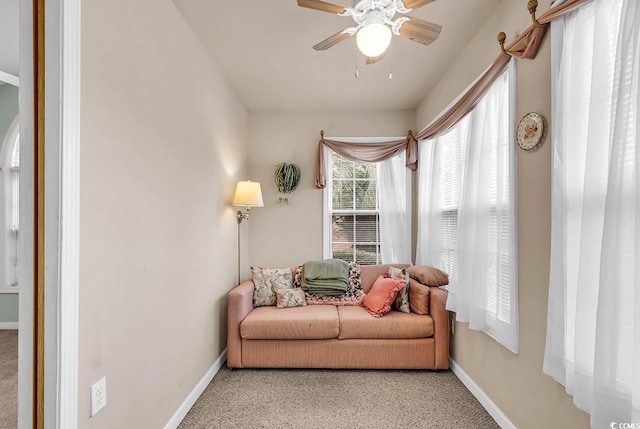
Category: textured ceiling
[264,49]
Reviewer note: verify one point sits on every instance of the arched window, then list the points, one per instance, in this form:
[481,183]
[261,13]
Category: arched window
[9,189]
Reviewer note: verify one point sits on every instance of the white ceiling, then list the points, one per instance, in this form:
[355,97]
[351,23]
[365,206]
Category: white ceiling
[9,32]
[264,48]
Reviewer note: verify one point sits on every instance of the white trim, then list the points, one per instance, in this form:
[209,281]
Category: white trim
[25,313]
[69,217]
[9,78]
[191,399]
[495,412]
[8,326]
[326,198]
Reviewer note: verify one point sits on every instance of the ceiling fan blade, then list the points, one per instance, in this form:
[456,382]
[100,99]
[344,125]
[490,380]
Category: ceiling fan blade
[334,40]
[321,6]
[373,60]
[420,31]
[415,4]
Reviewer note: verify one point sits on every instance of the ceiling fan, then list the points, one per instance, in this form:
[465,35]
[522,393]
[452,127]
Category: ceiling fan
[375,24]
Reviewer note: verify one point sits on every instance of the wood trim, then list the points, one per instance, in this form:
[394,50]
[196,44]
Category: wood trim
[38,245]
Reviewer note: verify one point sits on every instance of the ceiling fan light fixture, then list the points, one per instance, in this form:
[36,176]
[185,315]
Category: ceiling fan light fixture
[373,39]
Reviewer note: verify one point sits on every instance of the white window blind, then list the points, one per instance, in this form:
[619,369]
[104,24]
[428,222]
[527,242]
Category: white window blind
[466,213]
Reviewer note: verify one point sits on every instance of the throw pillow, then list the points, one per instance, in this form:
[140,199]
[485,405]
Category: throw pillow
[418,297]
[401,303]
[297,277]
[287,298]
[266,281]
[383,292]
[429,276]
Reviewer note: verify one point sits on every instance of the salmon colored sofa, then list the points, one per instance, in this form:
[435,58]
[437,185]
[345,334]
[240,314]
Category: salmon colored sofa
[329,336]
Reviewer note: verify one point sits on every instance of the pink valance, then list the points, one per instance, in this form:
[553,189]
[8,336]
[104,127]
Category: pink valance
[368,152]
[524,46]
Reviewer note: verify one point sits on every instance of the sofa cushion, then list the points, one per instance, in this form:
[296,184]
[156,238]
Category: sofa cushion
[299,323]
[418,297]
[429,276]
[356,322]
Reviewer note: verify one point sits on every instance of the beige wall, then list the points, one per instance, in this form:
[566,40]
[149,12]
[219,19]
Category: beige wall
[164,141]
[529,398]
[290,235]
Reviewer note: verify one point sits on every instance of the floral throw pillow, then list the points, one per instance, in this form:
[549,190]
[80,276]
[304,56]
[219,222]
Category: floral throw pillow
[287,298]
[266,282]
[401,302]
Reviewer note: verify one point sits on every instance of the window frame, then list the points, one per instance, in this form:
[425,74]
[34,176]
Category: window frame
[327,193]
[9,181]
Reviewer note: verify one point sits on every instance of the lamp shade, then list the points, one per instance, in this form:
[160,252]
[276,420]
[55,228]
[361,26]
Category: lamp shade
[373,39]
[248,194]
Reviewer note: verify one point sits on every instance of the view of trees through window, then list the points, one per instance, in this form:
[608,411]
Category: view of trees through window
[355,222]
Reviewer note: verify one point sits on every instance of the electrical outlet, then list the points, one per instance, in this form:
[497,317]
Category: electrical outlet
[98,396]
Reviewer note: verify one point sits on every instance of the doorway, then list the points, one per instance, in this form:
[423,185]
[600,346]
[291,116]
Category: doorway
[9,211]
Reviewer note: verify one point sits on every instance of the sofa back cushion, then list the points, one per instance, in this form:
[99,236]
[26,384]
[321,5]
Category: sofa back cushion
[370,273]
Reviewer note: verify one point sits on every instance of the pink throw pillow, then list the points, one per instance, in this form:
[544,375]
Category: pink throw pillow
[382,294]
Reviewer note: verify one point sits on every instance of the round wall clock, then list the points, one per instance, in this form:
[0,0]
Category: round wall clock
[531,131]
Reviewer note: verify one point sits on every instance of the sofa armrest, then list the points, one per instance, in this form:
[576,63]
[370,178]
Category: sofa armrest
[240,304]
[437,310]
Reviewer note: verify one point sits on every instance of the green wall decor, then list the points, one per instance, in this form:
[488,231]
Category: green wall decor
[287,177]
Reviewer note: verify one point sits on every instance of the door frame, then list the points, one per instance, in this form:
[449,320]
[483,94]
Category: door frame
[49,212]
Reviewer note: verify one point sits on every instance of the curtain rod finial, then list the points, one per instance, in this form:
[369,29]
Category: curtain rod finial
[322,133]
[501,39]
[532,6]
[410,132]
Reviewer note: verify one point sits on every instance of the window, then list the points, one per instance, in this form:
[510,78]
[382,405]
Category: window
[367,208]
[451,164]
[353,211]
[10,178]
[466,213]
[592,345]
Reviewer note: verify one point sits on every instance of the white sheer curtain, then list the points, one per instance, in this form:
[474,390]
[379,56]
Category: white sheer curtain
[467,217]
[593,322]
[395,226]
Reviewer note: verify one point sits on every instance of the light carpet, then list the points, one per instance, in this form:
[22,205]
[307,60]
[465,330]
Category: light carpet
[308,399]
[8,379]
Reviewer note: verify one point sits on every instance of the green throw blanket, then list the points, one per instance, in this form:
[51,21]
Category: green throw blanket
[325,278]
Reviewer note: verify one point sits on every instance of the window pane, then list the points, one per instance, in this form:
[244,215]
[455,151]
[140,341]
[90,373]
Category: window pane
[342,229]
[367,228]
[343,251]
[368,254]
[341,168]
[342,194]
[366,195]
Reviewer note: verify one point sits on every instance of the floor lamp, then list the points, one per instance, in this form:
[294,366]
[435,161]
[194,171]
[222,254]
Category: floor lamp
[248,194]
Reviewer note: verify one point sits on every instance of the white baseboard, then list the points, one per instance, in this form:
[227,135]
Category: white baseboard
[482,397]
[8,326]
[191,399]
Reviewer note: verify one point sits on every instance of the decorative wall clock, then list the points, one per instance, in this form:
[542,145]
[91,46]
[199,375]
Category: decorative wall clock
[531,131]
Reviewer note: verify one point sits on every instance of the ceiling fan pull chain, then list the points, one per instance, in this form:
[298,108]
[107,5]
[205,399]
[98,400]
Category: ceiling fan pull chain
[356,73]
[390,63]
